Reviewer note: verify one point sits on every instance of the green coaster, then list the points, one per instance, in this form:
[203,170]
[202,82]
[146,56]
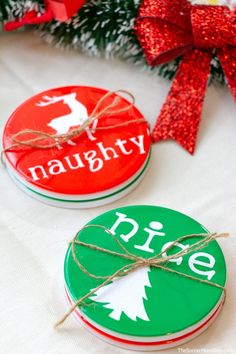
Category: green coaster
[148,302]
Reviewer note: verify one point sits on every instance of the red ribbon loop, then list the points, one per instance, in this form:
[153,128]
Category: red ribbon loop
[60,10]
[167,29]
[30,18]
[213,26]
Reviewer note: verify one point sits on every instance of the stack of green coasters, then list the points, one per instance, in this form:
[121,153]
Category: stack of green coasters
[150,307]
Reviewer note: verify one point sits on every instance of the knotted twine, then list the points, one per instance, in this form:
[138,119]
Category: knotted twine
[156,261]
[39,142]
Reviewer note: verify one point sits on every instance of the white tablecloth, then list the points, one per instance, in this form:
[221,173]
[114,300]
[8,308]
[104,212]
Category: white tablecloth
[34,236]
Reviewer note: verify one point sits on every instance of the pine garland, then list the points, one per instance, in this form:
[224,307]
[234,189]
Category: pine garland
[101,28]
[11,9]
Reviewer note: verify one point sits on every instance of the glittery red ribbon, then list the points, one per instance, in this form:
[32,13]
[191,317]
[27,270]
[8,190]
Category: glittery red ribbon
[167,29]
[60,10]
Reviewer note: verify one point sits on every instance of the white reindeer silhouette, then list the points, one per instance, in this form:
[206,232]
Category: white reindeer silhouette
[76,117]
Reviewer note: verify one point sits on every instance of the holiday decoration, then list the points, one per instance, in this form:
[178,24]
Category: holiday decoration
[168,30]
[77,146]
[100,28]
[161,263]
[60,10]
[191,40]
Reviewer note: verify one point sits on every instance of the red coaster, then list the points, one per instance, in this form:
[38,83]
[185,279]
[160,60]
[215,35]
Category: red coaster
[96,161]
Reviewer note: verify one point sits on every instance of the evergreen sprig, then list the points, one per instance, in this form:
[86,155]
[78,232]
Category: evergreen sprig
[101,28]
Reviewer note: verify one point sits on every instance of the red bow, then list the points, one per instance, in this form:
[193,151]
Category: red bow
[167,29]
[60,10]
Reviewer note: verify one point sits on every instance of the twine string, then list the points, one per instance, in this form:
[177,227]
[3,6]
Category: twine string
[55,140]
[157,261]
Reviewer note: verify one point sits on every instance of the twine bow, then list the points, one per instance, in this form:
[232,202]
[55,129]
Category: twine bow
[168,29]
[42,139]
[157,261]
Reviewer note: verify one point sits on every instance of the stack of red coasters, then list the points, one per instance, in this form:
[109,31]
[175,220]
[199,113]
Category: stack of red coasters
[95,168]
[149,308]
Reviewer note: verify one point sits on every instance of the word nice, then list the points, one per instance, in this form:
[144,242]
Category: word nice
[199,262]
[93,159]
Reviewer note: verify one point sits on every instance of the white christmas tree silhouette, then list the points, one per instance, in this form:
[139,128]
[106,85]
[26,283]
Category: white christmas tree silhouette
[126,294]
